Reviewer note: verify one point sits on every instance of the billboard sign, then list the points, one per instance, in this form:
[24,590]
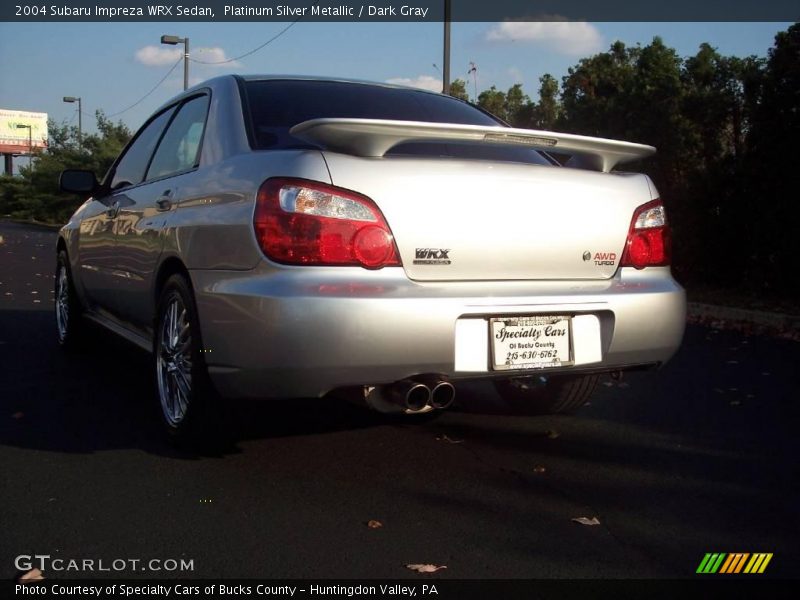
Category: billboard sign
[14,139]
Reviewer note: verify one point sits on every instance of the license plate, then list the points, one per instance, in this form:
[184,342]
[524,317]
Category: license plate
[539,342]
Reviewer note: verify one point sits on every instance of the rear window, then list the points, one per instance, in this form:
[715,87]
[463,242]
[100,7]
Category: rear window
[276,106]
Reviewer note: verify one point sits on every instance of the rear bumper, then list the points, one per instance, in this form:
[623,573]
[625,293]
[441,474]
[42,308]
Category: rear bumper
[302,332]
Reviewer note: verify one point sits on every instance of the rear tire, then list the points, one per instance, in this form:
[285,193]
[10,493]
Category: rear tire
[189,404]
[70,328]
[555,396]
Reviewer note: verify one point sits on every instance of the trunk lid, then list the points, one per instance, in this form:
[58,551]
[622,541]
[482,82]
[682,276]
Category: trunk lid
[467,220]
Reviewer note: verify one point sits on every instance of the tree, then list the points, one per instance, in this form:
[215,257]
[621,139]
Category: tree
[518,107]
[769,180]
[494,101]
[513,107]
[547,111]
[595,93]
[458,89]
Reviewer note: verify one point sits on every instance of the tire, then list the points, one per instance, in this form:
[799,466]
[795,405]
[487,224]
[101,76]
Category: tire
[188,402]
[70,328]
[534,395]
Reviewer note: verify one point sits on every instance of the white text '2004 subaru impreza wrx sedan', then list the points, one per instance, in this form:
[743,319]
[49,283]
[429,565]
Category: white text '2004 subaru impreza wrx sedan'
[279,237]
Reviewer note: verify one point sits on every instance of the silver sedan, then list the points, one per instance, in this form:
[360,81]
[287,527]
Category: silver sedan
[279,237]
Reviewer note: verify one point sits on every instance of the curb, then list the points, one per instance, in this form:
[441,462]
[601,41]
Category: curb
[767,320]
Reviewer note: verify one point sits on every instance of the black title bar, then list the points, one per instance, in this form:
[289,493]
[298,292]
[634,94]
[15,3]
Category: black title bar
[418,588]
[399,11]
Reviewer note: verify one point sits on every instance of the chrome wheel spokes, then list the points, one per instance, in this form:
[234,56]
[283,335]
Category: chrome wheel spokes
[62,302]
[174,361]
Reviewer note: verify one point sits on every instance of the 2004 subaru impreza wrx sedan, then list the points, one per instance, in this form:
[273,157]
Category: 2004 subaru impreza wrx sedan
[279,237]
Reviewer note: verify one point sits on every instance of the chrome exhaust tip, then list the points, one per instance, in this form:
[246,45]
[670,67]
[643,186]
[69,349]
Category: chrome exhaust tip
[442,394]
[411,395]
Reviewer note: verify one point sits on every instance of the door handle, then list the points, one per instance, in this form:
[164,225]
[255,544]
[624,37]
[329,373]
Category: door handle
[164,203]
[113,210]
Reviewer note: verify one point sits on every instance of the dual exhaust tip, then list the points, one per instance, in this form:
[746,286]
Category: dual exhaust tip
[423,394]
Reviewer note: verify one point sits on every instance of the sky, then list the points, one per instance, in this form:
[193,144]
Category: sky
[111,66]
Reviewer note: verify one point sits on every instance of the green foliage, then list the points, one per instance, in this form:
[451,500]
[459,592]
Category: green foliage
[458,89]
[766,194]
[494,101]
[35,195]
[546,113]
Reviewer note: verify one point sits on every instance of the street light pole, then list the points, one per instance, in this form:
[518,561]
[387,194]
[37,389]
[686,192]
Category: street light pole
[446,65]
[80,120]
[172,40]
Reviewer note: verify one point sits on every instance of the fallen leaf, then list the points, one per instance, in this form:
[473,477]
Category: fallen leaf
[624,384]
[733,389]
[735,402]
[765,373]
[31,576]
[608,383]
[18,415]
[552,434]
[719,391]
[444,438]
[539,469]
[373,524]
[586,520]
[733,362]
[425,568]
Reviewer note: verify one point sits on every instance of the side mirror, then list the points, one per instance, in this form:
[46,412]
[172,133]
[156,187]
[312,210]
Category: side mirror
[77,181]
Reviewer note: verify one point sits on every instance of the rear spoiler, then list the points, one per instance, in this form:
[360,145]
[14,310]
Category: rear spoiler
[375,137]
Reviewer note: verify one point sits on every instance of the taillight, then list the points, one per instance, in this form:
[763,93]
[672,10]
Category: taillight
[649,242]
[303,222]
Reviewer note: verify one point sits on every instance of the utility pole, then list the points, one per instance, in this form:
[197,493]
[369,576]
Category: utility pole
[446,69]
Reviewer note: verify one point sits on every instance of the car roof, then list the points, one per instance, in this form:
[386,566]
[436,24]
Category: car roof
[226,79]
[223,81]
[330,79]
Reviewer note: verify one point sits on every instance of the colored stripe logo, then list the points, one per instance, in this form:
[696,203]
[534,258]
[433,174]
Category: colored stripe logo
[732,563]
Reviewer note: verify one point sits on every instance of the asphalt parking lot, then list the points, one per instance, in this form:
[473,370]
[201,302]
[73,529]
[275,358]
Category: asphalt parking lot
[699,457]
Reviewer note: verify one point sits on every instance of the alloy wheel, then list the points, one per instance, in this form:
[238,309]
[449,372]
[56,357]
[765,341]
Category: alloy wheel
[174,361]
[62,302]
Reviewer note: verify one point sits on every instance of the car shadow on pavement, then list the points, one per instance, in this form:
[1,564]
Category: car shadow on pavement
[102,397]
